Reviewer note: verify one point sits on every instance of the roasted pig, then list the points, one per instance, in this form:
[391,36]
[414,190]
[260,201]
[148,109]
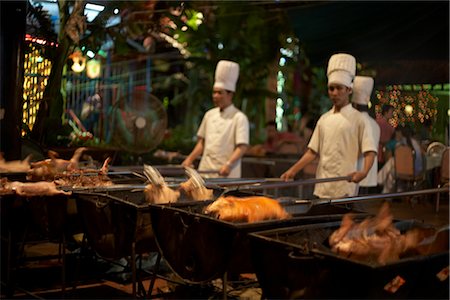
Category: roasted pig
[157,191]
[48,168]
[85,177]
[195,187]
[374,239]
[15,165]
[28,189]
[247,209]
[194,192]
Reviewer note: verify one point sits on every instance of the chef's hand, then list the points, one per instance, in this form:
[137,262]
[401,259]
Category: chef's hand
[357,176]
[187,163]
[288,175]
[225,170]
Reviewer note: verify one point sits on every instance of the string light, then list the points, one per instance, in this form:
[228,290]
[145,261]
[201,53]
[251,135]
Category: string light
[36,72]
[414,106]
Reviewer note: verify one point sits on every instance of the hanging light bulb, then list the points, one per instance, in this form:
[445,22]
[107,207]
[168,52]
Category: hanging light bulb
[79,61]
[408,110]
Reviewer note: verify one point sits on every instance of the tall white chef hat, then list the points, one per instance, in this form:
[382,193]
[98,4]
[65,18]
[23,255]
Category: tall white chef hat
[341,69]
[227,74]
[362,89]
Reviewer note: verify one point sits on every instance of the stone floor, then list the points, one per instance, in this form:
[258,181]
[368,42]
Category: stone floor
[96,280]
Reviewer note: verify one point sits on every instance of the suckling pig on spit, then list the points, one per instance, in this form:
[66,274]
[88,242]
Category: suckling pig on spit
[246,209]
[28,189]
[375,239]
[15,165]
[48,168]
[157,191]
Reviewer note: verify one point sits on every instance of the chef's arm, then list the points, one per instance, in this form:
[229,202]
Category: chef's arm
[196,152]
[369,158]
[238,152]
[308,157]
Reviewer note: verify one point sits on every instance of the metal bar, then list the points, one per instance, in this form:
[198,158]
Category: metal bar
[287,184]
[379,196]
[258,161]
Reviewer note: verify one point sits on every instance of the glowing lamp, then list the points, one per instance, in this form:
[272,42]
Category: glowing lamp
[408,109]
[93,68]
[79,61]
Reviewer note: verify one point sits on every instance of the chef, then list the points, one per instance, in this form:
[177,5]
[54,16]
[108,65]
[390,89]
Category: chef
[339,137]
[223,135]
[362,89]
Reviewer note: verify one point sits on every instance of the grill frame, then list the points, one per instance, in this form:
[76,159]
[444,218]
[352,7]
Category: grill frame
[308,269]
[200,248]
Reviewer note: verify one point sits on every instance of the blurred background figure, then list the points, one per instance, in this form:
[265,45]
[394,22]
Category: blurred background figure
[386,175]
[362,89]
[90,112]
[386,131]
[276,142]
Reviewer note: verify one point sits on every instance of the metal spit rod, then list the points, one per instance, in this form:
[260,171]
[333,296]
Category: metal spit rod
[376,196]
[286,184]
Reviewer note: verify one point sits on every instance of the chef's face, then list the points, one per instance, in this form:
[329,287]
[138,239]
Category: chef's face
[339,94]
[222,98]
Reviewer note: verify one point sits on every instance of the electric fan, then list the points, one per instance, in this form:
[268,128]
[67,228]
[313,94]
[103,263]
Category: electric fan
[138,123]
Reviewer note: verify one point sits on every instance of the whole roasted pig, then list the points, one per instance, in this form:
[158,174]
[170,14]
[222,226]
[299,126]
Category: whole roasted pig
[158,194]
[247,209]
[29,189]
[157,191]
[374,239]
[15,165]
[195,187]
[48,168]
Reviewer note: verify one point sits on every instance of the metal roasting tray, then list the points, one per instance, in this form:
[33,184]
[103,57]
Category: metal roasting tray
[306,268]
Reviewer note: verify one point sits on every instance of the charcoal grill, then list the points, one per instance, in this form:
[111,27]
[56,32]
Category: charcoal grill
[117,222]
[200,248]
[297,262]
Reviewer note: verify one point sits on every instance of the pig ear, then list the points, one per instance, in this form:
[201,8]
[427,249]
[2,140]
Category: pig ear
[52,154]
[28,158]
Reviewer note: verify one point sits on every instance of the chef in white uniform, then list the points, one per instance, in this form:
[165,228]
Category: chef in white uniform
[223,135]
[339,137]
[362,89]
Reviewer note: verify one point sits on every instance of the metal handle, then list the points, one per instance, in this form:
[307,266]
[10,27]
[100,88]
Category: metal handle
[304,257]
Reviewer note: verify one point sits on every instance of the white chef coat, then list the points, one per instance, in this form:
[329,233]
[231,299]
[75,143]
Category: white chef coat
[371,178]
[339,138]
[223,131]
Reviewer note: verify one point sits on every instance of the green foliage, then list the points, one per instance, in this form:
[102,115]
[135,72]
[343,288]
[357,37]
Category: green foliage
[235,30]
[178,140]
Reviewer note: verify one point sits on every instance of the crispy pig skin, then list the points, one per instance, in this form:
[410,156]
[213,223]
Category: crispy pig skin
[246,209]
